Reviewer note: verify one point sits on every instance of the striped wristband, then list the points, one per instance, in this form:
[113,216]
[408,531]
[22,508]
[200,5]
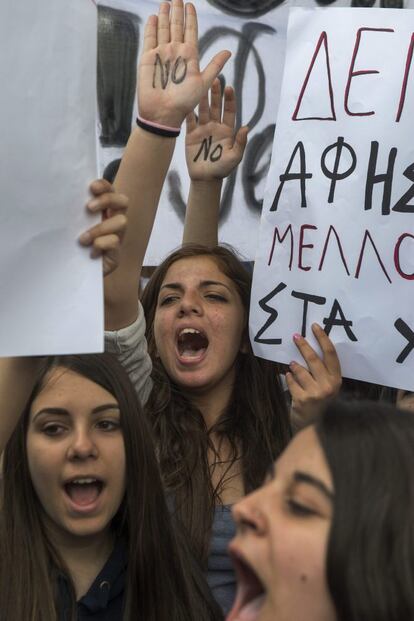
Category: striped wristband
[159,130]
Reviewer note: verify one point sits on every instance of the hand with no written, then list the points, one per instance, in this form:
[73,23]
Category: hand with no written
[105,238]
[312,387]
[170,83]
[213,147]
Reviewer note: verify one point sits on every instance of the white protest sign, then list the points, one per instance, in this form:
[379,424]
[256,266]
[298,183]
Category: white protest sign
[50,290]
[337,232]
[255,32]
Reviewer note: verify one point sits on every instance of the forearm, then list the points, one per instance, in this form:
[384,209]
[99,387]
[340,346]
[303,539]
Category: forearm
[202,215]
[140,177]
[17,379]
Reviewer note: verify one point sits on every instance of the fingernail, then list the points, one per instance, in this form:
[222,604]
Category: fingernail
[85,238]
[93,204]
[292,364]
[297,336]
[316,326]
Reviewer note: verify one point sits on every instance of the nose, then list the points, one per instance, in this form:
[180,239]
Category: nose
[248,515]
[190,304]
[82,445]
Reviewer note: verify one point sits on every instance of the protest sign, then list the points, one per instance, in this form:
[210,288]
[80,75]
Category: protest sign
[337,232]
[255,32]
[50,290]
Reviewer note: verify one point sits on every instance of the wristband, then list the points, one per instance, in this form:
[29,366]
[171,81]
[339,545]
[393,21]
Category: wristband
[159,130]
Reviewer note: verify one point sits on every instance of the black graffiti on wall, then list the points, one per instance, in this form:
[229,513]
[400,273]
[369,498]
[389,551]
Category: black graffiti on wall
[118,43]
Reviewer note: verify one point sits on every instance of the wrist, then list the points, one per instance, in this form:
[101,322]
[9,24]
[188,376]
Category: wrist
[165,131]
[204,184]
[167,118]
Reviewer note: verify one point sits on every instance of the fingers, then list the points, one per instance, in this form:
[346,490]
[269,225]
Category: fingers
[150,33]
[191,25]
[214,67]
[323,373]
[204,110]
[104,244]
[116,225]
[100,186]
[229,113]
[330,355]
[216,101]
[106,200]
[177,21]
[163,30]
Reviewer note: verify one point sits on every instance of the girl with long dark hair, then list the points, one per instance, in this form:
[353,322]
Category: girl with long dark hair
[330,535]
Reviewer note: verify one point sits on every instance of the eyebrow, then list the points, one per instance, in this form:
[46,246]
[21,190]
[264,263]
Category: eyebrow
[304,477]
[64,412]
[203,284]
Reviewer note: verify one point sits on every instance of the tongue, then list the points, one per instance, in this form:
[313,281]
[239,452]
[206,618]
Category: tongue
[192,353]
[83,494]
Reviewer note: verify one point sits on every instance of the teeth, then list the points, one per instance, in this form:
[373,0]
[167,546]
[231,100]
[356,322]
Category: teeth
[189,331]
[83,481]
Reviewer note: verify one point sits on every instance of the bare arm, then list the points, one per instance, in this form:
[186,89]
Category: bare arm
[170,85]
[213,150]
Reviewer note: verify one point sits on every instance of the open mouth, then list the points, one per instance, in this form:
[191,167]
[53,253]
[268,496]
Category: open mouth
[251,593]
[191,343]
[83,491]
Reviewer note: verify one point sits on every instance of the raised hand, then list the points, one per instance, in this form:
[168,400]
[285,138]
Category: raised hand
[170,84]
[105,238]
[312,387]
[213,148]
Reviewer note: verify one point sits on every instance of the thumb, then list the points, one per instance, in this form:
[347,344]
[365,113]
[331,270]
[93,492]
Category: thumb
[214,67]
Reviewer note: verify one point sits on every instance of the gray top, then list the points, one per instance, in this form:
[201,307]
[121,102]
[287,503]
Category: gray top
[130,347]
[220,573]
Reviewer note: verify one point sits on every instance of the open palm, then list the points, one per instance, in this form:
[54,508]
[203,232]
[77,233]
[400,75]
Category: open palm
[213,148]
[170,84]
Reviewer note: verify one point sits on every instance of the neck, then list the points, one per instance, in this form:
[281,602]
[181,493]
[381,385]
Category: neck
[211,402]
[84,557]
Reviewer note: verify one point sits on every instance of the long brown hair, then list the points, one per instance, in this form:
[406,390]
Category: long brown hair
[370,556]
[255,423]
[163,580]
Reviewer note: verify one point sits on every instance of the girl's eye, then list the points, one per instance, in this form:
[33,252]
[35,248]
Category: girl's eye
[109,425]
[53,429]
[168,300]
[297,508]
[216,296]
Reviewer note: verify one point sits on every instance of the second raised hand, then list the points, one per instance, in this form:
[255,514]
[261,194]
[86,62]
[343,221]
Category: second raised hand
[213,148]
[170,83]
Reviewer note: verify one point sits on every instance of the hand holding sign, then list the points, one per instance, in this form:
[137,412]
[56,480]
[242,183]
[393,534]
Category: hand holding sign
[312,387]
[213,149]
[105,238]
[170,81]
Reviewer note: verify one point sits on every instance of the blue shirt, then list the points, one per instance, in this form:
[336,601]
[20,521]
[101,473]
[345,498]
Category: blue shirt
[221,576]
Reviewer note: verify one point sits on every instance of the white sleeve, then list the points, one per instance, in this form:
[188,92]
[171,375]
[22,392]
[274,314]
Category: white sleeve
[130,346]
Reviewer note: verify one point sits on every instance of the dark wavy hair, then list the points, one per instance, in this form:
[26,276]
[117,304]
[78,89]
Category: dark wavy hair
[255,423]
[369,447]
[163,581]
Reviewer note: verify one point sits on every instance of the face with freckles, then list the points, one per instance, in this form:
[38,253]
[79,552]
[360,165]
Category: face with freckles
[281,543]
[76,456]
[199,325]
